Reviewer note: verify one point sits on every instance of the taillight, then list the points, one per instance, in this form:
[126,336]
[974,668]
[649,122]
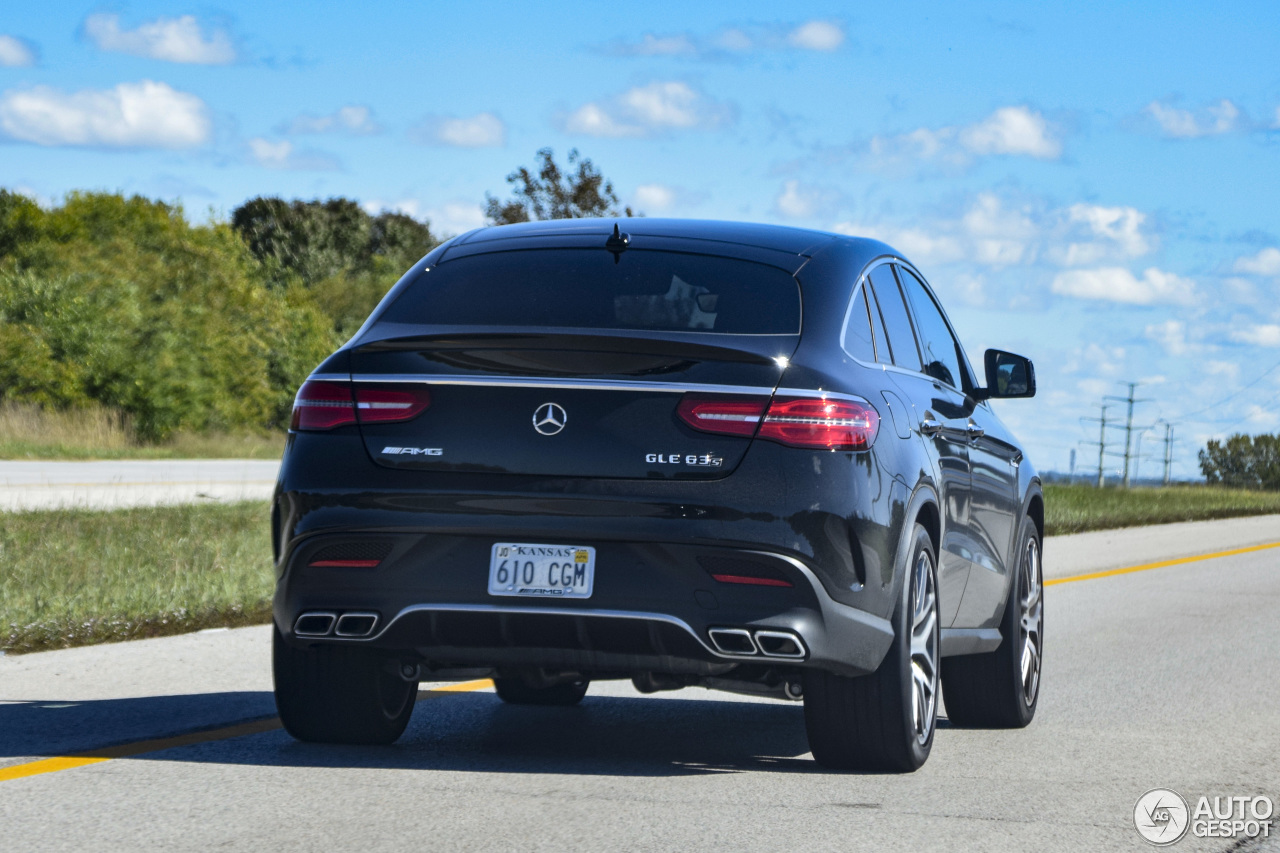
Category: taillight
[721,415]
[326,405]
[821,422]
[815,422]
[323,405]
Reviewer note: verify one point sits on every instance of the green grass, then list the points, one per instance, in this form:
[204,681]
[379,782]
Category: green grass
[30,432]
[1077,508]
[75,577]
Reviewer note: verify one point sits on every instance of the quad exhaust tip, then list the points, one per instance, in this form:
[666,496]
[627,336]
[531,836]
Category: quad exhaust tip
[740,642]
[356,624]
[324,623]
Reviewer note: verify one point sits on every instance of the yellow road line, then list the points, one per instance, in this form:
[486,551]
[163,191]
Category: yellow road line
[127,750]
[1162,564]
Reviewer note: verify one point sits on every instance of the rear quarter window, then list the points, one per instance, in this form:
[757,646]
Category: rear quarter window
[587,288]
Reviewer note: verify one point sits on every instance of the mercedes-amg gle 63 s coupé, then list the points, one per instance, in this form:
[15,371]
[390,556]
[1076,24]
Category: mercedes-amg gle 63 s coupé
[743,457]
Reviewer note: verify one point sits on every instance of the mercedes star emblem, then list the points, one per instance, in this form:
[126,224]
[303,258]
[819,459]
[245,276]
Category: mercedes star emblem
[549,418]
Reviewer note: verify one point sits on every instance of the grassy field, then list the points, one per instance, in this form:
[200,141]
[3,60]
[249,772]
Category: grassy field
[1077,508]
[29,432]
[74,577]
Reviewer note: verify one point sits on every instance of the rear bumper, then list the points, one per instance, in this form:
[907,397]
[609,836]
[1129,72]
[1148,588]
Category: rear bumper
[710,630]
[655,602]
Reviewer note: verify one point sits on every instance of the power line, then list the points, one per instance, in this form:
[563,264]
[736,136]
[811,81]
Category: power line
[1234,394]
[1128,425]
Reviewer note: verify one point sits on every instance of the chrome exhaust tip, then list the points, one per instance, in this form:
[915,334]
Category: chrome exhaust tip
[356,624]
[315,624]
[732,641]
[780,644]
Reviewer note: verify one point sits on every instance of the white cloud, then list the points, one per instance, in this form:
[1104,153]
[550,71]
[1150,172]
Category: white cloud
[654,197]
[1262,418]
[1262,335]
[282,154]
[170,39]
[1012,130]
[1171,335]
[1211,120]
[649,110]
[482,130]
[654,45]
[1117,284]
[998,232]
[1009,131]
[132,115]
[1229,369]
[802,201]
[446,220]
[824,36]
[1091,233]
[1266,262]
[16,52]
[917,244]
[355,119]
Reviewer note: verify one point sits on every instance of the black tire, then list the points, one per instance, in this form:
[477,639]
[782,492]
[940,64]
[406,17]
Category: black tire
[869,723]
[514,691]
[992,691]
[339,694]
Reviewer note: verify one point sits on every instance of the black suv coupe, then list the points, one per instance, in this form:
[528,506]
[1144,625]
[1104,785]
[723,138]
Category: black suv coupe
[746,457]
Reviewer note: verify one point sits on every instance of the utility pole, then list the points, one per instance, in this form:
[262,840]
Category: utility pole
[1128,426]
[1101,442]
[1168,450]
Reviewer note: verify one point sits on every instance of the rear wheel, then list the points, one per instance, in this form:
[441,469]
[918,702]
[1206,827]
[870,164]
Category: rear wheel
[516,691]
[999,690]
[885,721]
[339,694]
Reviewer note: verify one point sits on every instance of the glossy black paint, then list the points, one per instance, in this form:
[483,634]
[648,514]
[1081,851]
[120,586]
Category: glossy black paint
[833,524]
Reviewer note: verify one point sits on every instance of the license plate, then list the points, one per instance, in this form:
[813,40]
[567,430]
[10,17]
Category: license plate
[547,571]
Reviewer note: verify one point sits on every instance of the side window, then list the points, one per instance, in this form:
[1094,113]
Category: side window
[941,351]
[857,337]
[897,322]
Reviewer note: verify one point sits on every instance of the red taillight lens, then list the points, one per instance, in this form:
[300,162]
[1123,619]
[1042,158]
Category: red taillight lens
[326,405]
[383,404]
[822,423]
[323,405]
[725,416]
[751,580]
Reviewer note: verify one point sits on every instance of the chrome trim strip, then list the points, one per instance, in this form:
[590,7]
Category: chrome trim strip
[553,611]
[809,392]
[329,377]
[562,384]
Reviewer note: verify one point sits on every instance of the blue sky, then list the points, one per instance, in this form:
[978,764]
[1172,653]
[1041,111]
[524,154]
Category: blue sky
[1091,184]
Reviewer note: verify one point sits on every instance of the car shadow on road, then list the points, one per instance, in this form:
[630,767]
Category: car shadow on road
[471,732]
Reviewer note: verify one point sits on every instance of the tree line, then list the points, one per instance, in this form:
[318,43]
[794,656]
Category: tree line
[123,302]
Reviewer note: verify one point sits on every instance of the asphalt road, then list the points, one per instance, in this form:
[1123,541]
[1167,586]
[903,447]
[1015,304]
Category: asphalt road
[1165,677]
[133,482]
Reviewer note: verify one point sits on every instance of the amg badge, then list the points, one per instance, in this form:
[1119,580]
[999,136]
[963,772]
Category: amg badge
[696,460]
[413,451]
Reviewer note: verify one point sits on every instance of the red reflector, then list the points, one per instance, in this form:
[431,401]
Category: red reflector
[725,416]
[344,564]
[326,405]
[751,581]
[821,422]
[323,405]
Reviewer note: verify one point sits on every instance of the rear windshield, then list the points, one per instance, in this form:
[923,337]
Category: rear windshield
[585,288]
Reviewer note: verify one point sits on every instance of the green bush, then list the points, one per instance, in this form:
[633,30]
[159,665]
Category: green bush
[122,302]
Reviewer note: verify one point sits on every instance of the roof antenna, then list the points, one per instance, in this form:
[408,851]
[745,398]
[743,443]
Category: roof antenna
[617,243]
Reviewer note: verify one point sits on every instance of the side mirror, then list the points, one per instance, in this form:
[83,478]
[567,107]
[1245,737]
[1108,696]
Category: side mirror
[1008,375]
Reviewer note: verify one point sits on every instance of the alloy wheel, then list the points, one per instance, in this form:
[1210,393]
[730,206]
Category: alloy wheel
[1031,623]
[924,648]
